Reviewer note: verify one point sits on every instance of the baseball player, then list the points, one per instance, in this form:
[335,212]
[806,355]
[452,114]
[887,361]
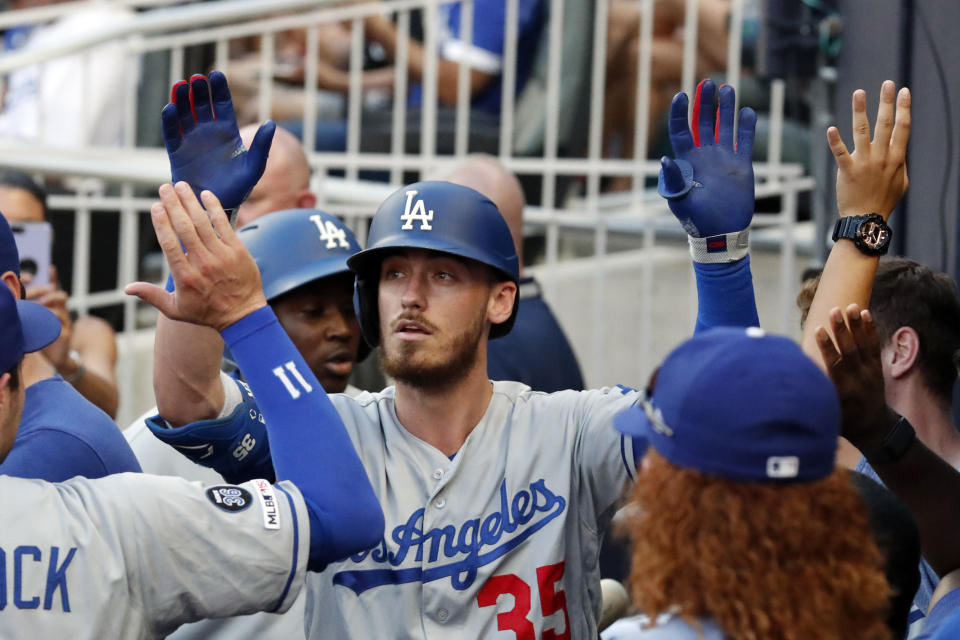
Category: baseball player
[62,434]
[302,256]
[495,497]
[97,558]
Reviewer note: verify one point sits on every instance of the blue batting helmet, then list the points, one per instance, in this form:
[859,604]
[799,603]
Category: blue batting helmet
[297,246]
[439,216]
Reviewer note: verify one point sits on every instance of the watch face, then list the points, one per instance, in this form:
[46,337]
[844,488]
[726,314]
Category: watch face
[873,234]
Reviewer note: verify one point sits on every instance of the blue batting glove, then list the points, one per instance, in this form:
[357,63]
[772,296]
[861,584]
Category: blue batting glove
[204,144]
[709,186]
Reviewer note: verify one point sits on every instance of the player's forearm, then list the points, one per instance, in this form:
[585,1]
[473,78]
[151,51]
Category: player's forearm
[847,279]
[725,295]
[186,372]
[308,441]
[95,388]
[95,375]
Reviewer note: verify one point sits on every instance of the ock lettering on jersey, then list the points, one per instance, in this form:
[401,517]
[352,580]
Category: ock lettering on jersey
[27,560]
[474,543]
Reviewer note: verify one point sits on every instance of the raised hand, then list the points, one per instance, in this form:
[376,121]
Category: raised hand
[709,186]
[853,363]
[216,282]
[873,178]
[203,142]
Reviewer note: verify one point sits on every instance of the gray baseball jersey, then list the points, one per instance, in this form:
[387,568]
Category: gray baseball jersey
[134,556]
[500,541]
[157,458]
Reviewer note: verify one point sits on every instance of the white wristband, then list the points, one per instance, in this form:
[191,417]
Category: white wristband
[726,247]
[232,398]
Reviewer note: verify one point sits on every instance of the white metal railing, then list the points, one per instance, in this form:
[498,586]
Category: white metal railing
[605,218]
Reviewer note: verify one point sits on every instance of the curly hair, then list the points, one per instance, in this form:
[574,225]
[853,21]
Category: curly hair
[766,562]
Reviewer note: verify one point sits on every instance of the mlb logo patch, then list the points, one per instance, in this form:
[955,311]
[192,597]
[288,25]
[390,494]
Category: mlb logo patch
[783,467]
[717,244]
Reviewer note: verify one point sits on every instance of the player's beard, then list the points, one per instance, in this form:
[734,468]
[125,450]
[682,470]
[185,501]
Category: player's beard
[407,363]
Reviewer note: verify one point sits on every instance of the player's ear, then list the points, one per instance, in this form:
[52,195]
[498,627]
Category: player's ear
[12,282]
[11,404]
[902,351]
[500,304]
[307,199]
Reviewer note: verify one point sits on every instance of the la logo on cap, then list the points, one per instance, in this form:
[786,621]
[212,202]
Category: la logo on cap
[416,211]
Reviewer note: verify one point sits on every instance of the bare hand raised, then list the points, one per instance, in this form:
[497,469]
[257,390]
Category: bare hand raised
[216,281]
[853,363]
[873,178]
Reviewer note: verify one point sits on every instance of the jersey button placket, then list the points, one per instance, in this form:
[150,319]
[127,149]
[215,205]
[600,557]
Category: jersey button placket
[440,503]
[437,474]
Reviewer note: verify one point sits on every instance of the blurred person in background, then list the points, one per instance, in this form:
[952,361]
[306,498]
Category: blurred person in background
[62,434]
[485,55]
[288,99]
[85,354]
[285,183]
[666,50]
[33,106]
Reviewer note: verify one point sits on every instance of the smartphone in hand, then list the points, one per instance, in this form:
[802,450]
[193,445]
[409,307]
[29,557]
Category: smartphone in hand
[35,245]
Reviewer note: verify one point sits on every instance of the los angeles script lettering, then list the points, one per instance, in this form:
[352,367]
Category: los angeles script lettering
[473,544]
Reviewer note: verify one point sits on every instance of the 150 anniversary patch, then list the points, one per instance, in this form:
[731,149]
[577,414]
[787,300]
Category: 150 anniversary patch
[229,498]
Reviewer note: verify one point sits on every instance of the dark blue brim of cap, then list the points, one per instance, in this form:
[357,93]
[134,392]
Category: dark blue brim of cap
[40,327]
[633,422]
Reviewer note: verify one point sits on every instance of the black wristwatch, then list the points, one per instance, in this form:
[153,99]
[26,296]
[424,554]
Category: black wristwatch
[869,233]
[894,445]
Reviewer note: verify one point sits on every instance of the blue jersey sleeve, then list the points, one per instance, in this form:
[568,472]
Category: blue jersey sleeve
[308,442]
[234,446]
[943,620]
[725,295]
[31,457]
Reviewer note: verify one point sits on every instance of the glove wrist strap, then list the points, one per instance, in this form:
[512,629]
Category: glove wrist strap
[726,247]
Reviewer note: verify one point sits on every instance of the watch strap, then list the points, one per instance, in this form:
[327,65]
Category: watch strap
[846,227]
[895,443]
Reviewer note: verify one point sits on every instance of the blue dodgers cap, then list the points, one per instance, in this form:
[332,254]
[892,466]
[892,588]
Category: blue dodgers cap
[26,326]
[741,404]
[9,256]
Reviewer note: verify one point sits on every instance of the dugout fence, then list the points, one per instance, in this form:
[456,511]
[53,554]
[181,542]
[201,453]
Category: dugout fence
[613,265]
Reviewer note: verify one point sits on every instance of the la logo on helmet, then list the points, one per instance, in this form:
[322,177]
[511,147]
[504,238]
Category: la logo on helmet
[416,211]
[330,233]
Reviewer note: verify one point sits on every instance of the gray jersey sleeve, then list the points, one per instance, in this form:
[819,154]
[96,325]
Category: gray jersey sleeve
[191,551]
[602,454]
